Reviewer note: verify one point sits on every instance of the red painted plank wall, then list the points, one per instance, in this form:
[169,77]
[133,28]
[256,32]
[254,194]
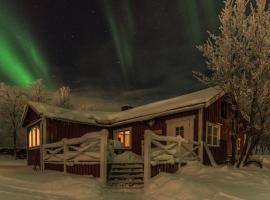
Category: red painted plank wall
[80,169]
[213,114]
[138,128]
[155,170]
[33,156]
[57,130]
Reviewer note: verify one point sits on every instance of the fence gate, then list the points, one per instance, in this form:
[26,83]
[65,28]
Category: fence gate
[170,151]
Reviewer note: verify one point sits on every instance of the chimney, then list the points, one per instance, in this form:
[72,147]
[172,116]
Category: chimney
[126,107]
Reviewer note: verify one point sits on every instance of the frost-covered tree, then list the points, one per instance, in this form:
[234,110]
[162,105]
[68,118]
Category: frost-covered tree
[12,101]
[37,92]
[63,97]
[239,61]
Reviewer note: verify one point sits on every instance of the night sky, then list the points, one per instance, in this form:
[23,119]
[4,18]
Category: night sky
[121,50]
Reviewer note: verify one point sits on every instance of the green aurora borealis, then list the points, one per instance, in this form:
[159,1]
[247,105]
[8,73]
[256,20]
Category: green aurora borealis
[196,17]
[123,44]
[20,59]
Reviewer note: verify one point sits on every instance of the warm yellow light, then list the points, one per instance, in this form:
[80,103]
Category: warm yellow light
[121,137]
[34,137]
[30,139]
[38,137]
[127,139]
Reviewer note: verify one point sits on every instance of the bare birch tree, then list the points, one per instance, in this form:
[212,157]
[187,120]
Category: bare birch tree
[12,101]
[239,61]
[37,92]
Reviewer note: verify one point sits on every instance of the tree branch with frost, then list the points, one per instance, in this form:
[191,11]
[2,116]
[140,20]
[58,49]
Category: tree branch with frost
[37,92]
[12,101]
[63,97]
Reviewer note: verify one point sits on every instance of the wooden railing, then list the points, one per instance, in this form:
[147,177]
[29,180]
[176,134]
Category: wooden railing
[91,148]
[170,150]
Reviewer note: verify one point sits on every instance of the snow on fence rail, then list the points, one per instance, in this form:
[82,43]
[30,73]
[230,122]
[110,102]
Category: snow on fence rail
[91,148]
[170,150]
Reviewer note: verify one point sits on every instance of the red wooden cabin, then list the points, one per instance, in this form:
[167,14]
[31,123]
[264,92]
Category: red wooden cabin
[198,116]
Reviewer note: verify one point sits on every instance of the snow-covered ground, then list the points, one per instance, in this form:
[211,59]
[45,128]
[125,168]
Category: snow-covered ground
[17,181]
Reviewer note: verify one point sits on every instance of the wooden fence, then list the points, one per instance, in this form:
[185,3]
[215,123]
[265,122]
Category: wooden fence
[164,150]
[90,150]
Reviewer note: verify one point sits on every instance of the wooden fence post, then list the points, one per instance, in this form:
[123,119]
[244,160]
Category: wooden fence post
[103,155]
[43,157]
[180,153]
[210,156]
[65,151]
[147,156]
[201,152]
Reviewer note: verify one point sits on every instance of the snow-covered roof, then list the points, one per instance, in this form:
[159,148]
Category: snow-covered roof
[191,101]
[54,112]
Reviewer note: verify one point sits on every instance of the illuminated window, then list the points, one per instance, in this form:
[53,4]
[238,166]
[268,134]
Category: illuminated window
[123,136]
[213,134]
[34,137]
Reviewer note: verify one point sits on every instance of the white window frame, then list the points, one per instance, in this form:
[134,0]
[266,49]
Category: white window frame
[115,132]
[213,125]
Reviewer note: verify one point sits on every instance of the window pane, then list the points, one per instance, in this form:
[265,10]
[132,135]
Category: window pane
[182,130]
[177,131]
[30,139]
[121,137]
[33,132]
[209,130]
[209,139]
[38,137]
[215,131]
[215,141]
[127,140]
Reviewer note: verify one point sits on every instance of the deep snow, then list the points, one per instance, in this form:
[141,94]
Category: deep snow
[17,181]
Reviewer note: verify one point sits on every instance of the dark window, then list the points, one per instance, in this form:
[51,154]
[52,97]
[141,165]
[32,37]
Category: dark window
[224,110]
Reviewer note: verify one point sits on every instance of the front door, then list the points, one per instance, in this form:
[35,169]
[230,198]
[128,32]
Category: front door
[184,127]
[181,126]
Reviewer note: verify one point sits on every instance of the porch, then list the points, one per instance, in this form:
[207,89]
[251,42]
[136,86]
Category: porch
[94,154]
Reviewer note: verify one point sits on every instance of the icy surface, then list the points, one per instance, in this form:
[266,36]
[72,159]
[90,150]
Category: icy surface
[19,182]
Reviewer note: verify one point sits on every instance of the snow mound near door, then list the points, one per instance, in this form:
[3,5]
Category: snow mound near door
[127,157]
